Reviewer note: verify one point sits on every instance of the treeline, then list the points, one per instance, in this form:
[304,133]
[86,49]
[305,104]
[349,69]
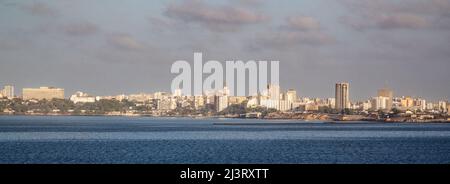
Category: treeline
[20,106]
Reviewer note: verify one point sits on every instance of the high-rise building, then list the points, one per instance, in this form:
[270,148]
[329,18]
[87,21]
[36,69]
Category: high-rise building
[8,91]
[389,95]
[42,93]
[221,99]
[342,96]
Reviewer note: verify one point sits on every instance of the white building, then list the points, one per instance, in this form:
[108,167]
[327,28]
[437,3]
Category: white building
[442,106]
[291,95]
[270,104]
[166,103]
[273,92]
[141,97]
[221,102]
[8,92]
[177,93]
[380,103]
[291,98]
[429,106]
[199,102]
[253,102]
[271,97]
[421,104]
[80,97]
[285,105]
[221,99]
[367,105]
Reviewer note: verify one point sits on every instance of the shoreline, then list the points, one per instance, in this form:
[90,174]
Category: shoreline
[331,121]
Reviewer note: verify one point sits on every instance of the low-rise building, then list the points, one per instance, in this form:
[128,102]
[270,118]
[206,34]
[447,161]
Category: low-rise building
[80,97]
[141,97]
[233,100]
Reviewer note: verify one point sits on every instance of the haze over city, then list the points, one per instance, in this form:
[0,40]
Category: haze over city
[113,47]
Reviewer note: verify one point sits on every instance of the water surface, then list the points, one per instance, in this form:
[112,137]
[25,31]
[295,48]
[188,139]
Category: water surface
[76,139]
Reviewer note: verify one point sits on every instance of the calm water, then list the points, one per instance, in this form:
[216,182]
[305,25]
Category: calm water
[166,140]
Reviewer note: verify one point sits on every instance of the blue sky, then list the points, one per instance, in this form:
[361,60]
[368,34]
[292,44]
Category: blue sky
[107,47]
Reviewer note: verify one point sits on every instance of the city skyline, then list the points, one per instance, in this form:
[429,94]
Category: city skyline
[341,90]
[220,101]
[98,46]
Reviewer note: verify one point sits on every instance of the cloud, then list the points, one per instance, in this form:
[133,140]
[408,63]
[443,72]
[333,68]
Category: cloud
[9,45]
[81,29]
[249,3]
[39,9]
[388,22]
[402,14]
[405,21]
[296,31]
[8,3]
[289,40]
[303,23]
[214,17]
[125,42]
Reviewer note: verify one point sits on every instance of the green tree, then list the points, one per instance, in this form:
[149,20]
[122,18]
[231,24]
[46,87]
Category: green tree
[234,109]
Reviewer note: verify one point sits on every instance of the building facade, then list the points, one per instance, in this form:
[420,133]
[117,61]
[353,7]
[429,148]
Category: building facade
[442,106]
[42,93]
[80,97]
[221,103]
[389,94]
[7,91]
[342,96]
[273,92]
[407,102]
[380,103]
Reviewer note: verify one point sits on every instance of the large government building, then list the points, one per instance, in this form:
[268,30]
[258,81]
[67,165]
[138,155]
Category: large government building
[42,93]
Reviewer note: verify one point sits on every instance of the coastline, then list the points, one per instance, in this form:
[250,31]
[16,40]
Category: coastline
[340,119]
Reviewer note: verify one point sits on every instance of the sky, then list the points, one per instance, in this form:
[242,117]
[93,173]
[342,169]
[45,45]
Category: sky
[109,47]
